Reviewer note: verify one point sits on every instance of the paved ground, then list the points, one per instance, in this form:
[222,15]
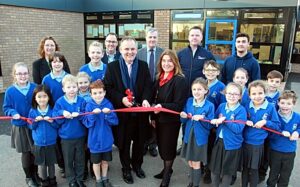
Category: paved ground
[11,174]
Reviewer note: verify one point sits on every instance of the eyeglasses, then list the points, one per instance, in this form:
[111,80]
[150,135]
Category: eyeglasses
[21,74]
[233,94]
[211,70]
[110,41]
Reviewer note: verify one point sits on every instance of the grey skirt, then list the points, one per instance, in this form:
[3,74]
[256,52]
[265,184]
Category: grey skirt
[252,156]
[192,152]
[44,155]
[21,139]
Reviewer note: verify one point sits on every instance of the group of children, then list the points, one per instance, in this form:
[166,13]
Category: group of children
[237,113]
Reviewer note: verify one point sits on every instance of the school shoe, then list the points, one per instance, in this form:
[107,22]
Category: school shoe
[45,183]
[190,185]
[106,183]
[206,176]
[37,179]
[139,172]
[30,182]
[153,152]
[233,179]
[127,177]
[81,184]
[52,182]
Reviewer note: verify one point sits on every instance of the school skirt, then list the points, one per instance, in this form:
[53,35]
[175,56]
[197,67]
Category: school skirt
[252,155]
[224,162]
[21,139]
[45,155]
[192,152]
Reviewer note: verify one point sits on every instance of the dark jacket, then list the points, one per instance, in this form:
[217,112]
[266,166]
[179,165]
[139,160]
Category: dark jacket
[105,57]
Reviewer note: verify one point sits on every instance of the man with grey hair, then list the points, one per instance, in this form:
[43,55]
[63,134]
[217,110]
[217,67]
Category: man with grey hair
[151,54]
[125,79]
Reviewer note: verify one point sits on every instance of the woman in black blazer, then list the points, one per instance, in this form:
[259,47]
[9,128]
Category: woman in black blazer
[170,92]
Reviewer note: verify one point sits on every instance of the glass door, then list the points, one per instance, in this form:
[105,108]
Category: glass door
[220,38]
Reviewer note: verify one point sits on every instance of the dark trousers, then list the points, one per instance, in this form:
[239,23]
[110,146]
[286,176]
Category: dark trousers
[263,168]
[132,133]
[281,166]
[73,152]
[59,154]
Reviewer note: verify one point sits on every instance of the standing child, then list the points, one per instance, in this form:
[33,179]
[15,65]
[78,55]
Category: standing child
[274,80]
[260,113]
[44,133]
[17,103]
[84,81]
[100,137]
[283,149]
[95,68]
[240,76]
[227,150]
[194,148]
[71,131]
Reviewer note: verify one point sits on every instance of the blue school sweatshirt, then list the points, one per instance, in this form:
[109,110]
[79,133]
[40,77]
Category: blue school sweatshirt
[54,86]
[232,132]
[266,111]
[94,74]
[215,93]
[201,129]
[100,137]
[44,133]
[70,128]
[273,98]
[284,144]
[17,103]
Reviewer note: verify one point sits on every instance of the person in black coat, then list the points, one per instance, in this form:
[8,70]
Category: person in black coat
[171,92]
[41,66]
[128,73]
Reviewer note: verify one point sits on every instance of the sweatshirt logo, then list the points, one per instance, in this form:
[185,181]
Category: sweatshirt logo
[295,126]
[214,94]
[265,116]
[232,117]
[201,58]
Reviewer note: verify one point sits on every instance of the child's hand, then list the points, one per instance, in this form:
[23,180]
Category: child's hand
[197,117]
[286,133]
[220,120]
[183,115]
[294,136]
[249,123]
[67,114]
[213,121]
[39,118]
[157,106]
[97,110]
[16,116]
[75,114]
[260,124]
[47,118]
[106,110]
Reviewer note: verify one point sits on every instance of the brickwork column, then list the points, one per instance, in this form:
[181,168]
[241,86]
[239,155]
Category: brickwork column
[162,23]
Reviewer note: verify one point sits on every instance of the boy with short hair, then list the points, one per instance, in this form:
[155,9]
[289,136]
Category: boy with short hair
[283,148]
[274,79]
[100,137]
[71,131]
[95,68]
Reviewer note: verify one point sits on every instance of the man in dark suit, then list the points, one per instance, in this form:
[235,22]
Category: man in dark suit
[111,53]
[151,54]
[128,73]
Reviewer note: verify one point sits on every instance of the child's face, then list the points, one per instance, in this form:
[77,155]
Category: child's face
[57,65]
[42,99]
[98,94]
[210,72]
[83,84]
[198,91]
[274,84]
[70,89]
[22,75]
[95,53]
[286,106]
[257,95]
[232,94]
[240,78]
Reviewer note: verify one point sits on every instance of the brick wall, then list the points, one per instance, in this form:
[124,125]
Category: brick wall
[21,29]
[162,23]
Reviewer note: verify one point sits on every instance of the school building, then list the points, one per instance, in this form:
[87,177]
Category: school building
[272,25]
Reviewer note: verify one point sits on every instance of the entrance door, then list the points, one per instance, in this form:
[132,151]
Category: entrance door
[220,38]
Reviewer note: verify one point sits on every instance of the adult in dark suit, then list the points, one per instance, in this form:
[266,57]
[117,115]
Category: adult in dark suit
[170,92]
[111,53]
[151,54]
[129,73]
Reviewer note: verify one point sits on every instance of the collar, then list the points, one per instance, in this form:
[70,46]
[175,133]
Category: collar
[163,81]
[262,106]
[69,101]
[149,50]
[43,112]
[93,69]
[284,117]
[198,104]
[213,83]
[272,95]
[25,88]
[232,108]
[58,77]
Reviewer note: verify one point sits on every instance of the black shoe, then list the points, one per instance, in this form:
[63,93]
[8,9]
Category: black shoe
[52,182]
[99,184]
[166,179]
[207,177]
[81,184]
[153,152]
[45,183]
[36,179]
[73,184]
[30,182]
[233,179]
[178,151]
[190,185]
[160,175]
[106,183]
[127,177]
[139,173]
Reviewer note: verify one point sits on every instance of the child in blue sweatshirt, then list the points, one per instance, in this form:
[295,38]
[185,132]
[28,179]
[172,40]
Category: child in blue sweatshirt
[283,148]
[84,81]
[227,149]
[240,76]
[44,133]
[274,79]
[194,148]
[95,68]
[72,132]
[100,137]
[54,78]
[17,103]
[260,113]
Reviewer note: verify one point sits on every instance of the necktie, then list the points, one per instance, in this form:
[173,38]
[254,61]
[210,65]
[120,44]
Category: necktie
[151,64]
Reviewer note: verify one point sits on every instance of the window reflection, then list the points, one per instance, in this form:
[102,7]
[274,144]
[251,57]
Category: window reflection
[221,31]
[267,54]
[137,30]
[179,45]
[220,51]
[180,30]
